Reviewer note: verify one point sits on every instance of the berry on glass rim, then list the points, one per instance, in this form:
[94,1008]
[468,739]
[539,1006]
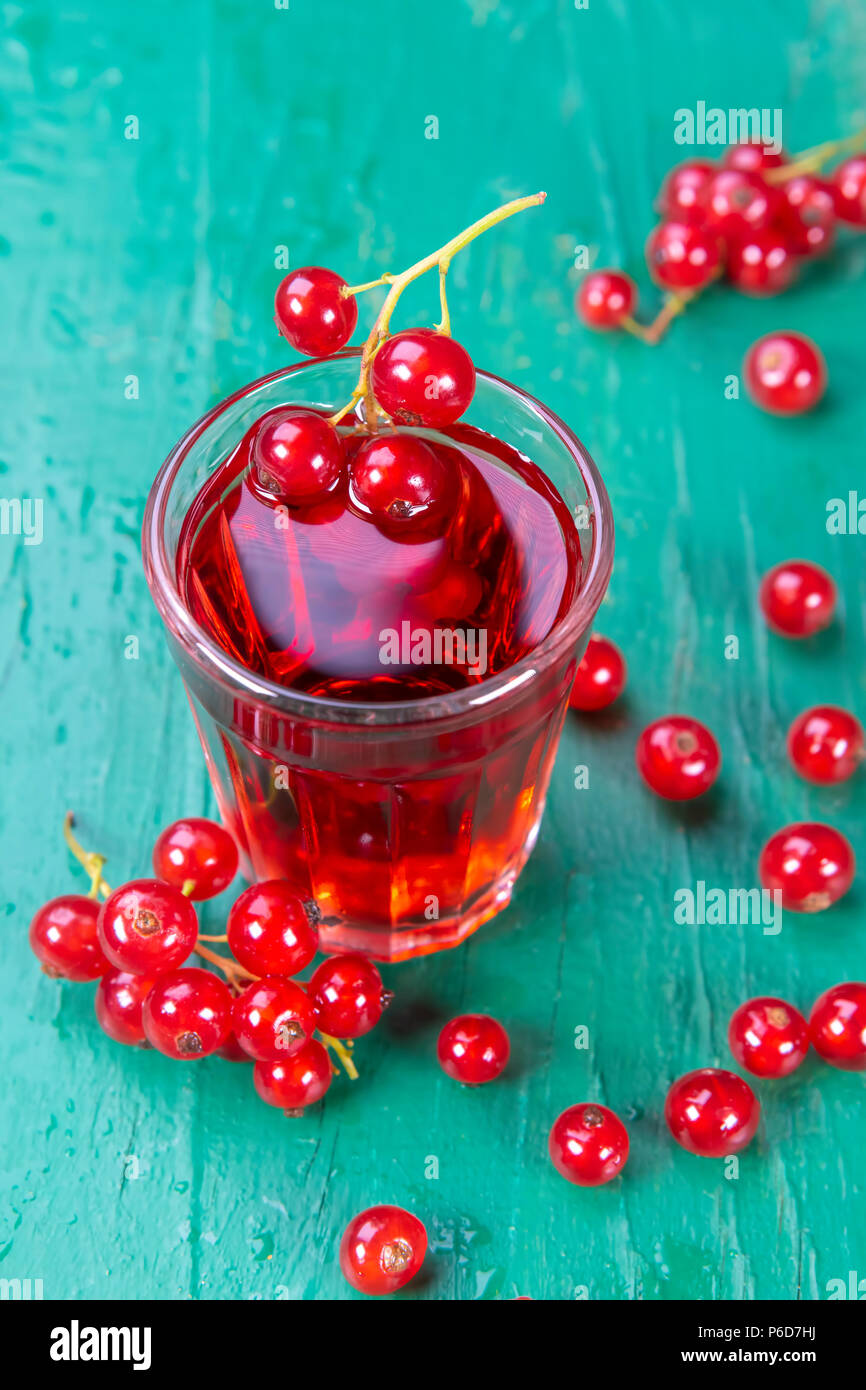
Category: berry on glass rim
[682,256]
[269,930]
[712,1112]
[473,1048]
[837,1025]
[297,456]
[761,263]
[295,1081]
[740,202]
[768,1037]
[600,677]
[785,373]
[147,927]
[196,855]
[588,1144]
[811,865]
[423,377]
[678,757]
[187,1014]
[402,484]
[826,744]
[605,298]
[683,195]
[312,311]
[849,190]
[64,938]
[752,156]
[119,999]
[810,227]
[797,598]
[348,996]
[382,1249]
[273,1018]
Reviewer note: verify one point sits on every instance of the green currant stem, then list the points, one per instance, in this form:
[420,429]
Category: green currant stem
[343,1052]
[397,284]
[188,887]
[815,158]
[444,325]
[91,863]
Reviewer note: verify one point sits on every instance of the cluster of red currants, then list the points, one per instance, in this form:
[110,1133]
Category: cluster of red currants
[755,218]
[809,863]
[135,944]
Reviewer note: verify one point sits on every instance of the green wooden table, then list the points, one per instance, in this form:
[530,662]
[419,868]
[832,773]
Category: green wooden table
[153,259]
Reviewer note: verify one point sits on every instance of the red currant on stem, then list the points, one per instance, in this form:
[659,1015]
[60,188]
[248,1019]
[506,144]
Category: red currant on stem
[678,757]
[682,256]
[196,855]
[785,373]
[147,927]
[740,202]
[272,1018]
[837,1025]
[683,196]
[588,1144]
[753,156]
[403,485]
[423,377]
[187,1014]
[348,996]
[295,1081]
[120,996]
[473,1048]
[768,1037]
[64,938]
[600,677]
[606,299]
[810,864]
[270,931]
[297,456]
[826,744]
[382,1249]
[849,190]
[314,312]
[797,598]
[762,263]
[811,226]
[712,1112]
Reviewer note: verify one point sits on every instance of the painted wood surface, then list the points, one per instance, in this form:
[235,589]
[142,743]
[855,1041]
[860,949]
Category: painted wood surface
[127,1175]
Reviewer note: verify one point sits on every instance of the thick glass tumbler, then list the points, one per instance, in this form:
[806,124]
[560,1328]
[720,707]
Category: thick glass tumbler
[407,822]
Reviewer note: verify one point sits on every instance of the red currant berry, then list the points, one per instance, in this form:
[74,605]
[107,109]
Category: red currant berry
[313,312]
[272,1018]
[811,865]
[785,373]
[600,676]
[684,192]
[147,927]
[739,203]
[187,1014]
[605,298]
[295,1081]
[421,377]
[712,1112]
[678,757]
[811,226]
[797,598]
[400,483]
[232,1051]
[838,1026]
[826,744]
[768,1037]
[849,190]
[752,156]
[119,999]
[348,996]
[588,1144]
[196,852]
[269,930]
[473,1048]
[681,256]
[762,263]
[63,936]
[382,1249]
[298,456]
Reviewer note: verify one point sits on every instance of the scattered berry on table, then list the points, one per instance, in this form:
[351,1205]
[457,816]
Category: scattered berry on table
[826,744]
[768,1037]
[838,1026]
[678,757]
[812,865]
[797,598]
[382,1249]
[600,677]
[712,1112]
[588,1144]
[785,373]
[473,1048]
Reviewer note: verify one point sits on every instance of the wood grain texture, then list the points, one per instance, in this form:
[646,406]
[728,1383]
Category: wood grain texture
[155,257]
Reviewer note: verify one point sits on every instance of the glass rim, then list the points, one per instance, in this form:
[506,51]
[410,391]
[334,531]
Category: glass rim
[205,652]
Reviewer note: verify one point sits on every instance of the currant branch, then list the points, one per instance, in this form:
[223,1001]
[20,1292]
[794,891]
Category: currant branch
[396,285]
[815,158]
